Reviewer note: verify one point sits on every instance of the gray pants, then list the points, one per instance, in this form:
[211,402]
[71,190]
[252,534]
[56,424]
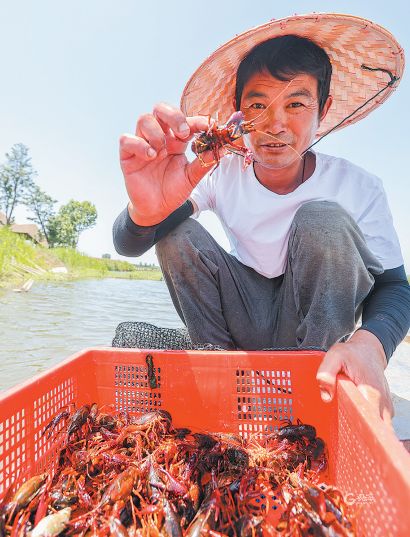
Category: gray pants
[317,302]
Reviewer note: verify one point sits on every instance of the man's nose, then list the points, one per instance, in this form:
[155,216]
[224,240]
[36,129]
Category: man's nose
[274,119]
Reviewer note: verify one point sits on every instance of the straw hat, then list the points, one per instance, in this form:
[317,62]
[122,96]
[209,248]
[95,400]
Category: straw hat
[350,43]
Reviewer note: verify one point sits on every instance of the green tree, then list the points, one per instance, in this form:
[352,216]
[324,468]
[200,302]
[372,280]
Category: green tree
[16,176]
[42,206]
[65,228]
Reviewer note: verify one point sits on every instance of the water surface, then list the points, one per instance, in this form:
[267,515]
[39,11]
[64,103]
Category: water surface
[56,319]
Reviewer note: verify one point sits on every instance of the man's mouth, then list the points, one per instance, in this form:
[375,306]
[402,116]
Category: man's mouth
[276,144]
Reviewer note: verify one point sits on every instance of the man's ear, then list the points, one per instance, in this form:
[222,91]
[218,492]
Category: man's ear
[325,110]
[234,103]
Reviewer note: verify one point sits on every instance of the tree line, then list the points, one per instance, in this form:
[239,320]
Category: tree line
[17,187]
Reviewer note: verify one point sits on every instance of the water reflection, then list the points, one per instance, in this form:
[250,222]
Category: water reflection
[54,320]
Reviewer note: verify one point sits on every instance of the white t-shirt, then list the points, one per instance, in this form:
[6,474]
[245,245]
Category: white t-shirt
[258,221]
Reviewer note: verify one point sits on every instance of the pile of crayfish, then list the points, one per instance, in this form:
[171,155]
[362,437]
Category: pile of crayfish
[146,478]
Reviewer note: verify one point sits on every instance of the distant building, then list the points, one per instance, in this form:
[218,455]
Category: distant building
[29,230]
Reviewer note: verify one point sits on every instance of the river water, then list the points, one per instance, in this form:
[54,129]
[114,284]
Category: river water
[56,319]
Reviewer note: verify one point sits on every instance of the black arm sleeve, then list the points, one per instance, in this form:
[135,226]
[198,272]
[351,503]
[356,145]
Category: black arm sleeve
[132,240]
[386,311]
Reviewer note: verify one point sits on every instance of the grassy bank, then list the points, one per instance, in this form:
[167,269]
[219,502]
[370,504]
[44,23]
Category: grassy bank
[18,254]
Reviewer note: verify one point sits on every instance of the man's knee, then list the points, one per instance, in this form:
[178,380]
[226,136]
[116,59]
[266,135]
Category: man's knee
[322,213]
[323,219]
[325,227]
[182,244]
[178,236]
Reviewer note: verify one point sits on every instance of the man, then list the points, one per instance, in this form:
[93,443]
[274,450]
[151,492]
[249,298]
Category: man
[313,245]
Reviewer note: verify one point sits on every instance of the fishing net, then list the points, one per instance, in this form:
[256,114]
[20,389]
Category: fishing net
[148,336]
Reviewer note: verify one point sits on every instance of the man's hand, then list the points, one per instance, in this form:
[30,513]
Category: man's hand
[363,360]
[157,174]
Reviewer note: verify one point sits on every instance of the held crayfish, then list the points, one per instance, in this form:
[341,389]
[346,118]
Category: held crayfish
[216,137]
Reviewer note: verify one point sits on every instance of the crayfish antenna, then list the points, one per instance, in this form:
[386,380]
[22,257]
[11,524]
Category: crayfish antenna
[270,104]
[279,140]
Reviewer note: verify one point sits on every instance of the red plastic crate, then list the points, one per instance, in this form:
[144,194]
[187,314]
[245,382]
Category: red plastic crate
[244,392]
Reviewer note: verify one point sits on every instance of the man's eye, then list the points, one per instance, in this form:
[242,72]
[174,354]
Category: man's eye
[256,105]
[295,105]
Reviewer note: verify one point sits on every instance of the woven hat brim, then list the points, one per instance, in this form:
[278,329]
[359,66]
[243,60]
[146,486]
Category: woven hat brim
[350,43]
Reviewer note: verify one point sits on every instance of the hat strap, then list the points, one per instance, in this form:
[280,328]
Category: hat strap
[393,80]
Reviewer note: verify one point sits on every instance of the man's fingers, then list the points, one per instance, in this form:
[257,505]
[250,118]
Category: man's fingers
[170,117]
[152,132]
[372,396]
[131,145]
[167,126]
[387,417]
[389,403]
[199,123]
[326,376]
[327,386]
[380,401]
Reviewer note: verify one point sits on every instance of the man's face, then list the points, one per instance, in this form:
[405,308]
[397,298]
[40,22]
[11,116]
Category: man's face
[283,113]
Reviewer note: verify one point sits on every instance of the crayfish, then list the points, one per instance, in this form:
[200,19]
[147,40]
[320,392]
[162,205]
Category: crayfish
[74,422]
[216,137]
[143,477]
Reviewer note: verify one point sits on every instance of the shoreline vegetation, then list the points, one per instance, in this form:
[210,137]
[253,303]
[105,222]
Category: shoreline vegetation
[21,260]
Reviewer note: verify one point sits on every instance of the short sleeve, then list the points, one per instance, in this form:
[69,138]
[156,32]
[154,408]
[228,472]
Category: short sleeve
[376,223]
[204,193]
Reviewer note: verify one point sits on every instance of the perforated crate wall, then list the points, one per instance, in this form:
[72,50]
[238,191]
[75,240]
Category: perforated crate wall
[245,392]
[23,448]
[264,400]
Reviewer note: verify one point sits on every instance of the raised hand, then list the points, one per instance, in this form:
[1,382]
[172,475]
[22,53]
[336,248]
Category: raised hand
[157,174]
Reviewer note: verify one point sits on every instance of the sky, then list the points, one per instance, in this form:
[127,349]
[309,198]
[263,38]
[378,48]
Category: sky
[76,75]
